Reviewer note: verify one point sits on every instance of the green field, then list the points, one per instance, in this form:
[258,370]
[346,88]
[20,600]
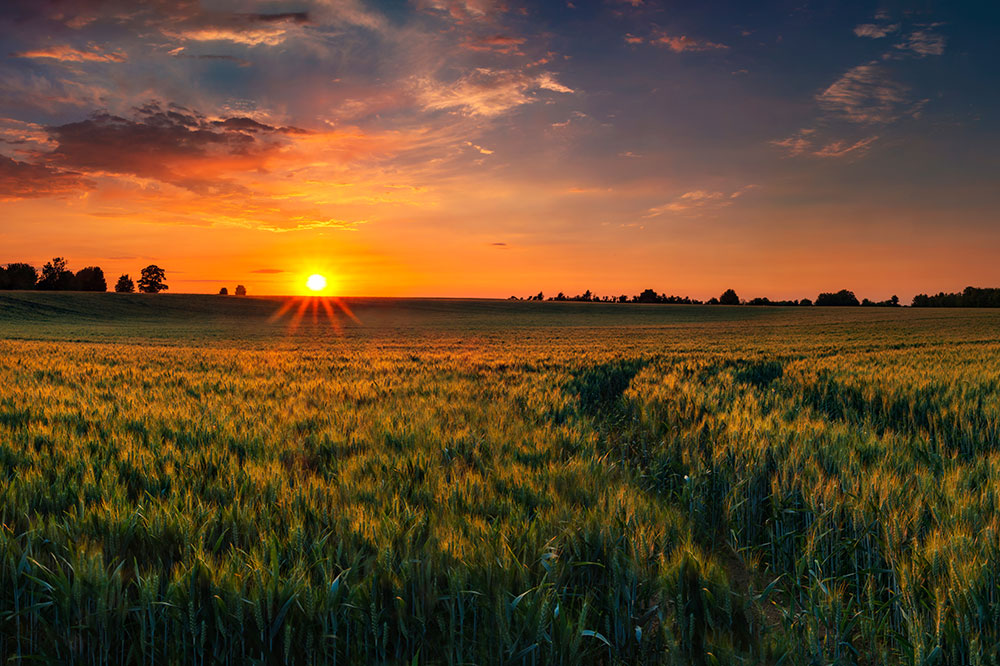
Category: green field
[189,480]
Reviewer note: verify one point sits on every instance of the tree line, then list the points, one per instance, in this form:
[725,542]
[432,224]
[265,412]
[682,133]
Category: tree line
[56,276]
[728,297]
[970,297]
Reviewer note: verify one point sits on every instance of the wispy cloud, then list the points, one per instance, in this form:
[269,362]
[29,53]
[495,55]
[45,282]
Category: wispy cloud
[675,43]
[696,200]
[864,94]
[798,143]
[923,43]
[268,36]
[808,142]
[66,53]
[845,148]
[874,30]
[486,92]
[507,44]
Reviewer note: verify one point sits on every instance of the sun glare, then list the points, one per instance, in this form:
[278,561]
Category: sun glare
[316,282]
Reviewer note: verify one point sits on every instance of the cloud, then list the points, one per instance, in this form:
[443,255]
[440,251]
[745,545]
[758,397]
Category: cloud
[464,11]
[697,200]
[806,142]
[269,271]
[875,31]
[923,43]
[23,180]
[506,44]
[172,144]
[684,43]
[864,94]
[486,92]
[844,148]
[269,36]
[66,53]
[479,149]
[796,144]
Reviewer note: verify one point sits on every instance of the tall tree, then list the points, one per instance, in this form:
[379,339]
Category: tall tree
[20,276]
[55,276]
[729,297]
[125,285]
[152,280]
[91,278]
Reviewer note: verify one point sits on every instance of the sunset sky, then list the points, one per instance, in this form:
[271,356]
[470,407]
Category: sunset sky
[490,148]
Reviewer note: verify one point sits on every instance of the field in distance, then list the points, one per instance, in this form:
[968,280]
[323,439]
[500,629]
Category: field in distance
[205,479]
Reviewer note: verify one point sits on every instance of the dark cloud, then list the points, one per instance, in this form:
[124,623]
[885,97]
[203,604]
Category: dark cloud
[23,180]
[295,17]
[172,144]
[79,13]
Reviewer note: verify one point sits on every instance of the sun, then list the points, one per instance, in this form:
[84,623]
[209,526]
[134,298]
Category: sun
[316,282]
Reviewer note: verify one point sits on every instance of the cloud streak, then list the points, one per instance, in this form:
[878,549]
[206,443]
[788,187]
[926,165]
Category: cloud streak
[698,200]
[486,92]
[23,180]
[865,94]
[66,53]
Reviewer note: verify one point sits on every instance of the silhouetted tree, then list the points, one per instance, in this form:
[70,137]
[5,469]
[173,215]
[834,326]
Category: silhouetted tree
[842,297]
[151,281]
[713,301]
[91,278]
[970,297]
[806,301]
[124,284]
[19,276]
[241,290]
[767,301]
[647,296]
[223,292]
[55,276]
[729,297]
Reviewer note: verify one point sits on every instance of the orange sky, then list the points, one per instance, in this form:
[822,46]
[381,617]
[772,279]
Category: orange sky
[480,148]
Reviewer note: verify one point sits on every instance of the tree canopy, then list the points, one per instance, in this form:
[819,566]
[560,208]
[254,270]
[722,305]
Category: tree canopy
[55,276]
[125,285]
[152,280]
[91,278]
[842,297]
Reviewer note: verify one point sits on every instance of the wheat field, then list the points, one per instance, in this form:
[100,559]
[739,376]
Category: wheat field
[190,480]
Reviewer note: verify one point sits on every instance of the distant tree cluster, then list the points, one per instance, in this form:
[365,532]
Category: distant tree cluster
[240,291]
[647,296]
[730,297]
[842,297]
[767,301]
[892,302]
[970,297]
[56,276]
